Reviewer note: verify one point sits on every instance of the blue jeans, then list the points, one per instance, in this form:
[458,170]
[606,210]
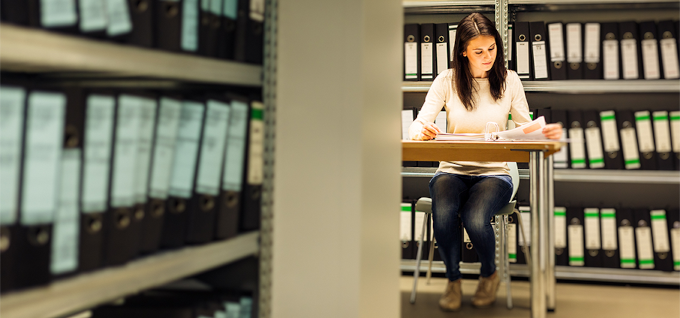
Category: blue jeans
[474,200]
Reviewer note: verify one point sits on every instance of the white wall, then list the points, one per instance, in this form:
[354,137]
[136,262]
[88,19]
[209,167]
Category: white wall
[337,170]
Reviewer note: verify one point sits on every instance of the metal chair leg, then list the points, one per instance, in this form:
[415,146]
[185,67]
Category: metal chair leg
[429,266]
[506,261]
[416,272]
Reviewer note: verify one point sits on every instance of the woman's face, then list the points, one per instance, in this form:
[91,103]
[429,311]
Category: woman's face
[481,53]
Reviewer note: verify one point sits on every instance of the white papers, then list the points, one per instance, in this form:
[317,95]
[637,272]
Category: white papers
[459,137]
[532,131]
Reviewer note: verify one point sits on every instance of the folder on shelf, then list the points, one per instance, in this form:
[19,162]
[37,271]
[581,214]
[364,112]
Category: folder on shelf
[204,202]
[40,186]
[561,252]
[610,251]
[630,51]
[513,238]
[183,173]
[468,249]
[250,42]
[210,24]
[591,225]
[14,12]
[611,65]
[441,34]
[119,24]
[537,36]
[226,43]
[12,111]
[643,127]
[411,52]
[435,254]
[558,66]
[663,260]
[228,215]
[252,190]
[593,139]
[522,51]
[675,137]
[406,231]
[613,157]
[93,18]
[649,42]
[190,26]
[407,118]
[576,244]
[168,22]
[60,16]
[453,28]
[625,223]
[591,51]
[667,35]
[577,147]
[674,234]
[523,241]
[510,52]
[427,51]
[141,16]
[574,50]
[662,140]
[643,239]
[629,147]
[561,158]
[159,181]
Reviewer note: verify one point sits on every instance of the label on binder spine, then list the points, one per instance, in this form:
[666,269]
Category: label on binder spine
[186,149]
[255,172]
[67,220]
[629,58]
[675,240]
[577,147]
[560,227]
[574,50]
[405,223]
[675,130]
[592,43]
[190,25]
[669,58]
[608,217]
[643,237]
[125,151]
[232,179]
[512,242]
[118,17]
[650,59]
[92,15]
[610,52]
[540,64]
[576,256]
[97,152]
[631,156]
[660,231]
[592,225]
[58,13]
[627,244]
[212,148]
[556,42]
[164,148]
[662,134]
[12,101]
[426,61]
[610,134]
[523,69]
[594,144]
[442,61]
[643,123]
[411,60]
[147,119]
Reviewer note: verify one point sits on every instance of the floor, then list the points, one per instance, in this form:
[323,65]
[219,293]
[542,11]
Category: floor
[573,300]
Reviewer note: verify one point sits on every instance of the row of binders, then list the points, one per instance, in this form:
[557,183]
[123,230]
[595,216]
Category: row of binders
[97,177]
[224,29]
[558,51]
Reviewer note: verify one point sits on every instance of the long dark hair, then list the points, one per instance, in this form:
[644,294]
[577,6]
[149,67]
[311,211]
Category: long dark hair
[469,28]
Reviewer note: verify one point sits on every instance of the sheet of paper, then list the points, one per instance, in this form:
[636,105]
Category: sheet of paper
[530,131]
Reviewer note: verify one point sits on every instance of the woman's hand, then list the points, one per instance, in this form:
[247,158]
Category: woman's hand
[553,131]
[429,131]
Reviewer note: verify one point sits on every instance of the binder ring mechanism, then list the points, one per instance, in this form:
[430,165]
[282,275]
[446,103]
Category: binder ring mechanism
[39,235]
[232,199]
[426,39]
[522,37]
[411,38]
[157,209]
[207,202]
[4,239]
[537,37]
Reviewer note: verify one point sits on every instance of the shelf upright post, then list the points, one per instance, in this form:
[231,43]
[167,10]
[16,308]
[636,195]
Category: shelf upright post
[501,14]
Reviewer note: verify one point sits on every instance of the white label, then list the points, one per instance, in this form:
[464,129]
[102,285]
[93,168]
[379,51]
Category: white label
[560,227]
[147,119]
[418,226]
[540,64]
[246,307]
[212,148]
[97,150]
[592,43]
[411,60]
[574,49]
[660,231]
[233,310]
[576,245]
[650,59]
[643,237]
[406,121]
[609,131]
[58,13]
[119,21]
[523,58]
[186,149]
[556,42]
[608,217]
[675,130]
[526,223]
[125,151]
[215,6]
[164,148]
[629,58]
[662,134]
[643,124]
[578,156]
[92,15]
[442,60]
[452,40]
[256,145]
[561,159]
[631,156]
[510,40]
[230,9]
[257,10]
[675,239]
[190,19]
[627,250]
[67,221]
[591,219]
[426,61]
[669,58]
[594,144]
[512,242]
[440,121]
[42,157]
[405,223]
[11,131]
[232,179]
[610,52]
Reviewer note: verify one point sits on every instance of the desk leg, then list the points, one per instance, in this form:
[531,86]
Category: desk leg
[537,278]
[550,273]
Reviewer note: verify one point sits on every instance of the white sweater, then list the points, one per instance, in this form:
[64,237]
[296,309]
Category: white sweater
[442,95]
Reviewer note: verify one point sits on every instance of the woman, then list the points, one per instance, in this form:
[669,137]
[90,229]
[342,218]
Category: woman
[478,89]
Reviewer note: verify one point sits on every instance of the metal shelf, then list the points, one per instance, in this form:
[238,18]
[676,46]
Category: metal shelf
[578,86]
[87,290]
[615,275]
[586,1]
[40,51]
[450,3]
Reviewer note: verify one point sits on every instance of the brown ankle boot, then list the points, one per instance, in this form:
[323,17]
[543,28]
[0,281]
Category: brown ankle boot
[485,295]
[450,301]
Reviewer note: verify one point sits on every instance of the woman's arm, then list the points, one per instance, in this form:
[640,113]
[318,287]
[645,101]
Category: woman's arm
[520,109]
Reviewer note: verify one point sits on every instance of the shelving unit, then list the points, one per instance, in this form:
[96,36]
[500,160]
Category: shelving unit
[90,289]
[578,86]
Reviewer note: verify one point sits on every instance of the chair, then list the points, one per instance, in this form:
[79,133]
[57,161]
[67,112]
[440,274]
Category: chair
[500,228]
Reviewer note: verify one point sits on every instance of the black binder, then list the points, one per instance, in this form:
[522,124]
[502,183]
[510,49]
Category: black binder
[561,247]
[44,136]
[468,249]
[250,31]
[93,18]
[575,39]
[663,258]
[210,27]
[643,239]
[141,15]
[593,139]
[592,53]
[577,147]
[205,200]
[13,112]
[625,223]
[183,173]
[667,35]
[592,237]
[662,140]
[161,168]
[427,52]
[413,117]
[539,52]
[522,51]
[561,159]
[14,12]
[613,155]
[631,57]
[611,57]
[650,53]
[406,235]
[442,51]
[168,22]
[558,65]
[229,16]
[511,48]
[411,52]
[53,15]
[628,137]
[252,190]
[230,201]
[453,28]
[575,236]
[644,130]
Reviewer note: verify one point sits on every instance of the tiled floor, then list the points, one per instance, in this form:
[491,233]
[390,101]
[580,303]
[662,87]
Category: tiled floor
[573,300]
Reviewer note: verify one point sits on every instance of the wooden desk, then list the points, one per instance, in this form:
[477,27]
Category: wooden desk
[538,155]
